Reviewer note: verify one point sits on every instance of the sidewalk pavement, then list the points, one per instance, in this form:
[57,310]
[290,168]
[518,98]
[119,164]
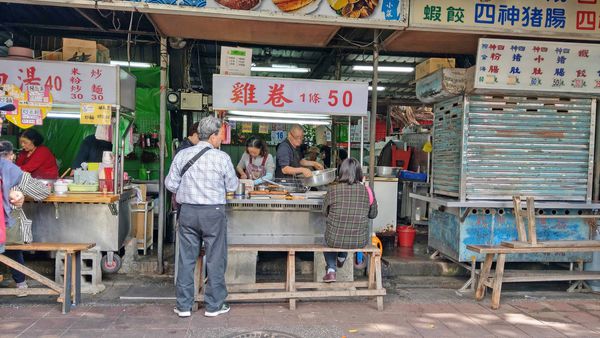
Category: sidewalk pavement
[409,312]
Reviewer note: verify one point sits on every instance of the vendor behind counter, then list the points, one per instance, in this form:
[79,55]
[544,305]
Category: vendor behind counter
[93,146]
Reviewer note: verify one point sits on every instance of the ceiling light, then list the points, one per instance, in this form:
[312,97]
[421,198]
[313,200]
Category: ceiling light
[281,69]
[132,64]
[280,115]
[269,120]
[379,88]
[63,115]
[390,69]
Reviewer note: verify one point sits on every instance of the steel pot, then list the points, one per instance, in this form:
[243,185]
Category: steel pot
[319,178]
[387,171]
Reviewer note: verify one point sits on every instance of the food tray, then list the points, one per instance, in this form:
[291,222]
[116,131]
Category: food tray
[83,187]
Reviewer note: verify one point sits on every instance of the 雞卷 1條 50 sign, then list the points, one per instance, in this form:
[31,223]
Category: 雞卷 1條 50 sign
[290,95]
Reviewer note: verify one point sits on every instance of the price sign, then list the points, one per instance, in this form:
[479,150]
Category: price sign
[277,136]
[290,95]
[94,113]
[10,94]
[31,115]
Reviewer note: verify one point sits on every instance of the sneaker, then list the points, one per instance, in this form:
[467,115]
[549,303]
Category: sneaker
[340,263]
[22,287]
[182,314]
[224,309]
[329,277]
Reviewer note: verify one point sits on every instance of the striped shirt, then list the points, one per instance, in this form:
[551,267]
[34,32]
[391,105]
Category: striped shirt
[206,181]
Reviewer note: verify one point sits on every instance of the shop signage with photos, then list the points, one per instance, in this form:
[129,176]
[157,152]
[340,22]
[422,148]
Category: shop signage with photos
[538,66]
[68,82]
[236,61]
[561,18]
[344,12]
[290,95]
[31,105]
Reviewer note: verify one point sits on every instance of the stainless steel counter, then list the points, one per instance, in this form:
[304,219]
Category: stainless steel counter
[275,221]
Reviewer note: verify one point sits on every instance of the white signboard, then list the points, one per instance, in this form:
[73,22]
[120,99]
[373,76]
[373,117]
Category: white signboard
[290,95]
[538,66]
[68,82]
[236,61]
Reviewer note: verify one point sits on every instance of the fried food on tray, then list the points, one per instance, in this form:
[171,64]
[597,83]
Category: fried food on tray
[239,4]
[291,5]
[353,8]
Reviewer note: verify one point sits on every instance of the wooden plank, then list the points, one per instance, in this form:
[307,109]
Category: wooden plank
[378,281]
[521,235]
[301,294]
[291,277]
[28,291]
[484,249]
[560,244]
[80,198]
[299,285]
[295,247]
[485,272]
[69,247]
[30,273]
[497,284]
[515,276]
[531,235]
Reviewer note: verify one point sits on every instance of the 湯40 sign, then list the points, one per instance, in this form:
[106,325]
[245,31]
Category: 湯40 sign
[290,95]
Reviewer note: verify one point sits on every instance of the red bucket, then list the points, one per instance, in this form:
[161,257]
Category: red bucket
[406,236]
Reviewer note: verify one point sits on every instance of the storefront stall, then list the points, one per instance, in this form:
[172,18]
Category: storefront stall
[526,127]
[95,94]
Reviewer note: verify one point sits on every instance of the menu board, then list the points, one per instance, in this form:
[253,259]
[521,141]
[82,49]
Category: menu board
[351,12]
[540,66]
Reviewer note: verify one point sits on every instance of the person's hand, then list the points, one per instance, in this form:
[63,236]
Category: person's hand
[16,198]
[243,176]
[317,165]
[306,172]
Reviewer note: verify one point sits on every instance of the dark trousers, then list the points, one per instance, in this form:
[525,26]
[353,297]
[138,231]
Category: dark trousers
[199,223]
[16,255]
[331,258]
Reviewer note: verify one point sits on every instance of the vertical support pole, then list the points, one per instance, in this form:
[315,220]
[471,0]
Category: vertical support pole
[334,148]
[373,120]
[596,159]
[522,236]
[67,280]
[532,236]
[291,277]
[349,137]
[362,141]
[117,174]
[77,278]
[164,62]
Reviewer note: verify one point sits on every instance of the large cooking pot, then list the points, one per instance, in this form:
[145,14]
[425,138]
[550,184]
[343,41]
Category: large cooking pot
[320,177]
[387,171]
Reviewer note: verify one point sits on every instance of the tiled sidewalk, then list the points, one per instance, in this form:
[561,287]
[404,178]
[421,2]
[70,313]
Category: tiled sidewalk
[551,318]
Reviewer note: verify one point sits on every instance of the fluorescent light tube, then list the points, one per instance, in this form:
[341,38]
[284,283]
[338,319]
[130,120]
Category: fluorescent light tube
[63,115]
[390,69]
[281,69]
[279,115]
[268,120]
[379,88]
[132,64]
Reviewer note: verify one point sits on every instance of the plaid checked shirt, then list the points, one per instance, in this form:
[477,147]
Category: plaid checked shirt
[347,209]
[205,182]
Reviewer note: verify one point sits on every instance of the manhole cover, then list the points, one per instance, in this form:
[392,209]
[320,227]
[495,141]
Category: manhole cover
[262,334]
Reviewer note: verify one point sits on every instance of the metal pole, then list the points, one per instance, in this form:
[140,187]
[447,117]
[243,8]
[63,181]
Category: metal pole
[349,137]
[334,151]
[373,109]
[164,62]
[362,141]
[596,176]
[117,152]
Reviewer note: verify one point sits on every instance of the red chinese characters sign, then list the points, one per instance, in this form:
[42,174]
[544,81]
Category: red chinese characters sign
[69,82]
[290,95]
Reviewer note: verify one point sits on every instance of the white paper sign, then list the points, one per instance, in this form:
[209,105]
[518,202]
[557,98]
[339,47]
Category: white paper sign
[236,61]
[290,95]
[538,66]
[277,136]
[68,82]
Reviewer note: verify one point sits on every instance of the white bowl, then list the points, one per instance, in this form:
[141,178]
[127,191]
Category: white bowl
[60,188]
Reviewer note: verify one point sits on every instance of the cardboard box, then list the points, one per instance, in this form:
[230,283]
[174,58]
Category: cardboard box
[79,50]
[441,84]
[137,222]
[431,65]
[102,54]
[51,56]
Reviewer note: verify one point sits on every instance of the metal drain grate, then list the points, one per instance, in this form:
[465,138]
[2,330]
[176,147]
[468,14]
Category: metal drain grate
[262,334]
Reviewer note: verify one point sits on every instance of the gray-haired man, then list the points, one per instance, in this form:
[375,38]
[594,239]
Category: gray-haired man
[201,183]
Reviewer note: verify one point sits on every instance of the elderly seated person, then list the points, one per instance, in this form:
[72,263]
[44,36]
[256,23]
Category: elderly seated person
[348,206]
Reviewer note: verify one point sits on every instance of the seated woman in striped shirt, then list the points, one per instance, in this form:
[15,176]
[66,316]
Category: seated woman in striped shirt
[348,206]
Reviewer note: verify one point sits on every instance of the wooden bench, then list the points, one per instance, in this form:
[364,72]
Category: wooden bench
[70,292]
[495,282]
[293,290]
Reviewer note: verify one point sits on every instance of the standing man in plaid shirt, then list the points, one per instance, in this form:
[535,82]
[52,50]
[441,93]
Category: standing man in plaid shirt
[201,176]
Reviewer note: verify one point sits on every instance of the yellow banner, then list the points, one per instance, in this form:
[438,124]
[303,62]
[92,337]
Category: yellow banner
[567,18]
[95,113]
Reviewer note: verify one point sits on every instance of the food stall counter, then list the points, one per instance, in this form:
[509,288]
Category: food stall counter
[82,198]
